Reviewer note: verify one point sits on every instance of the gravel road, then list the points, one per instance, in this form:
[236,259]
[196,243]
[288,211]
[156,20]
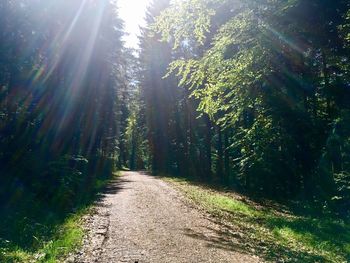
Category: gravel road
[143,219]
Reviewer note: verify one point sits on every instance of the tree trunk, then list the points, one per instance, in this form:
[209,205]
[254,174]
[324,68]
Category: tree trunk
[220,160]
[226,158]
[326,83]
[208,137]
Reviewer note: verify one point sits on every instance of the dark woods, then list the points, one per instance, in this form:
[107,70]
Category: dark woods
[256,95]
[60,84]
[253,95]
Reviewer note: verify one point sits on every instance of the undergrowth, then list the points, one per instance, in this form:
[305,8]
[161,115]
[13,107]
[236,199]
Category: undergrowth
[273,232]
[35,232]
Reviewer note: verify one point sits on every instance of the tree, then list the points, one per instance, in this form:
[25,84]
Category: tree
[60,65]
[258,69]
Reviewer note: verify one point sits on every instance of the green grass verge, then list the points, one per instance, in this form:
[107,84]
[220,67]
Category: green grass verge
[272,232]
[61,239]
[47,237]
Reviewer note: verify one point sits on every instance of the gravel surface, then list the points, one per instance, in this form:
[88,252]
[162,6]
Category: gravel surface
[142,219]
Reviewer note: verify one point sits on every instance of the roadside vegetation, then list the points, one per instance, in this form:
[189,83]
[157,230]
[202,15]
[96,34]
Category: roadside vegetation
[274,232]
[39,233]
[62,77]
[254,95]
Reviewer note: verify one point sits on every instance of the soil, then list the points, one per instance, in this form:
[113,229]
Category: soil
[142,219]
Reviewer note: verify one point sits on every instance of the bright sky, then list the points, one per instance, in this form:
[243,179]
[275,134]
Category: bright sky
[133,14]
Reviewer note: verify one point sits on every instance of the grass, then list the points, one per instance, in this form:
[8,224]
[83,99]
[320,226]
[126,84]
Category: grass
[53,241]
[67,239]
[45,236]
[272,232]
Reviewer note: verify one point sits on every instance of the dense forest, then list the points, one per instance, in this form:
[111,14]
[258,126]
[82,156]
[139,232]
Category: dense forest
[251,95]
[61,80]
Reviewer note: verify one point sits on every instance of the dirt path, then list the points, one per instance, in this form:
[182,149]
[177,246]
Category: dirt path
[143,219]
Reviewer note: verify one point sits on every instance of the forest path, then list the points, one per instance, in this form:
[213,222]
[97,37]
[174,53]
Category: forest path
[141,219]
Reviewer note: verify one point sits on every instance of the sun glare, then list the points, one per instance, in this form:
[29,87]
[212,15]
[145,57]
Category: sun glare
[133,14]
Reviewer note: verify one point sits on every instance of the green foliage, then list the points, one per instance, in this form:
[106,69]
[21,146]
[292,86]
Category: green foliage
[271,231]
[67,239]
[60,85]
[63,180]
[273,75]
[193,18]
[38,232]
[345,28]
[50,246]
[251,94]
[335,161]
[136,143]
[59,98]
